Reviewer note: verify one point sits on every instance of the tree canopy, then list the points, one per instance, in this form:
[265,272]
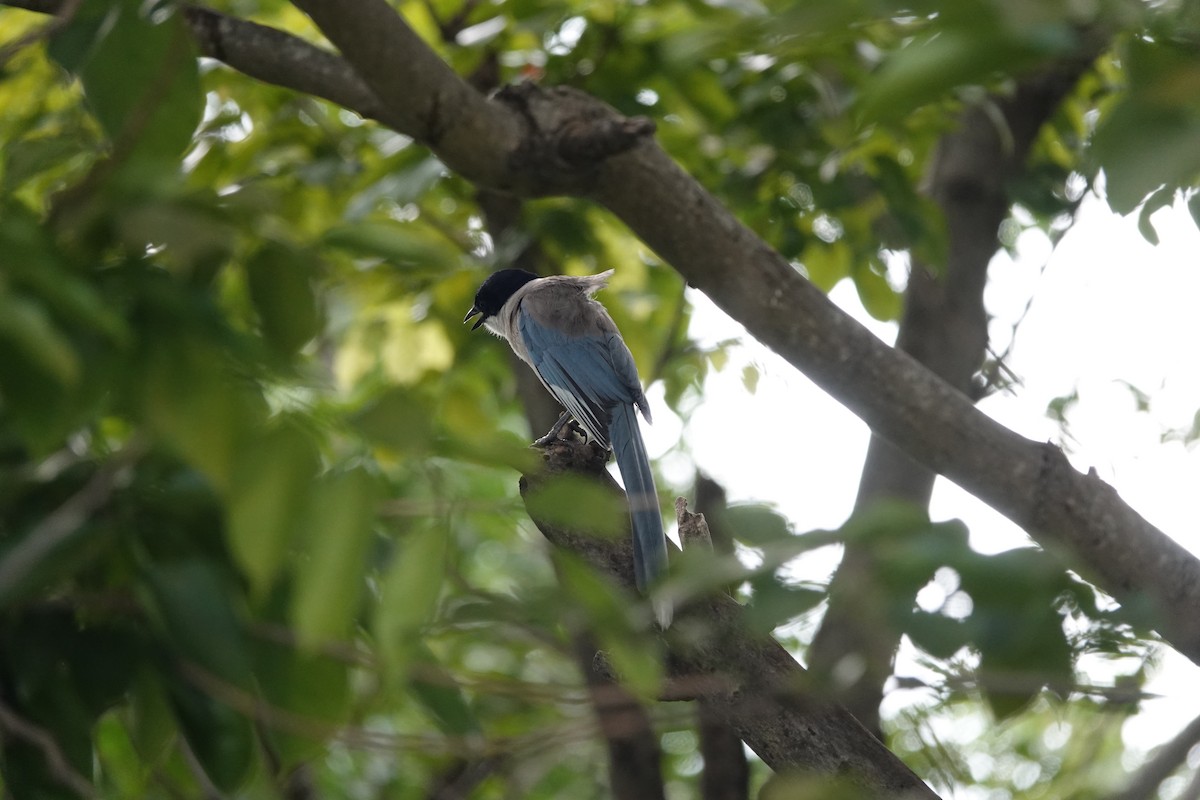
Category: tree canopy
[262,531]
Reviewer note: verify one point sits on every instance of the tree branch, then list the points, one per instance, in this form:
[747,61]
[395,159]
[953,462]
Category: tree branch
[749,682]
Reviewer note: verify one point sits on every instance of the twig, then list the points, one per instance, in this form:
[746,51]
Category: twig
[62,15]
[57,527]
[1168,758]
[56,761]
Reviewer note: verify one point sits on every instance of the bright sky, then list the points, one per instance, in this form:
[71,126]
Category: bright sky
[1108,308]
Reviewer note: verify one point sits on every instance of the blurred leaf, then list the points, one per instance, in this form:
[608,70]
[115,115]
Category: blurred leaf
[1160,199]
[222,740]
[104,659]
[409,595]
[151,721]
[336,521]
[776,602]
[280,281]
[73,44]
[937,634]
[26,158]
[929,66]
[403,186]
[267,496]
[397,242]
[877,295]
[1143,147]
[25,327]
[399,419]
[159,59]
[750,376]
[580,504]
[434,689]
[311,693]
[1151,136]
[193,604]
[826,264]
[192,401]
[608,612]
[757,524]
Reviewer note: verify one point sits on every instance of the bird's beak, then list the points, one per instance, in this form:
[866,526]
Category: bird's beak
[472,313]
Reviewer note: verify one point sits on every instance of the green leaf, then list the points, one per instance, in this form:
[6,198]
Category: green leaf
[1014,671]
[142,81]
[222,740]
[27,158]
[409,595]
[399,418]
[103,663]
[776,602]
[193,605]
[151,721]
[608,610]
[27,329]
[757,524]
[927,68]
[877,295]
[280,281]
[1152,136]
[1141,148]
[750,376]
[435,690]
[267,496]
[311,689]
[406,185]
[1160,199]
[32,262]
[190,399]
[397,242]
[937,634]
[73,44]
[330,577]
[826,264]
[578,503]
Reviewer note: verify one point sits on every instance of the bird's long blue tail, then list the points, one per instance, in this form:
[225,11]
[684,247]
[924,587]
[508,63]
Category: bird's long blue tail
[649,540]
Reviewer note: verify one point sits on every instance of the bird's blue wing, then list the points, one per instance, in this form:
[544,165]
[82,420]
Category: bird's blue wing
[588,374]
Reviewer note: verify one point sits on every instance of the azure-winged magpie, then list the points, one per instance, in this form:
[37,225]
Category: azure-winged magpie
[555,326]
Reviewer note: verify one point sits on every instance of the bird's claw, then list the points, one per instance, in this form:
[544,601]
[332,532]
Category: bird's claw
[557,432]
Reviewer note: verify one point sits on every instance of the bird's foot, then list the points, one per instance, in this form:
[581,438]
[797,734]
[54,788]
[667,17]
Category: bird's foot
[559,432]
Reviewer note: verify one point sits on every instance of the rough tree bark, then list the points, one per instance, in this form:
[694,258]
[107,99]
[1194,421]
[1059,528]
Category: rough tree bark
[945,328]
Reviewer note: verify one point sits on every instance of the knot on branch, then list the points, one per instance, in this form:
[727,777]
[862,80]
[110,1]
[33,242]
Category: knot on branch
[568,135]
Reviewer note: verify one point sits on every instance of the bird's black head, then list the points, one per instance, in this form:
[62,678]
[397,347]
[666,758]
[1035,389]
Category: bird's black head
[494,293]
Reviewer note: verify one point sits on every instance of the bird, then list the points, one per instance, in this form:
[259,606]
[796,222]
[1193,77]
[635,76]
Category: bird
[555,326]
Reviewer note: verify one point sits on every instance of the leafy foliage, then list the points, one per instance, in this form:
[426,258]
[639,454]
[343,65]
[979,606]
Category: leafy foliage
[257,507]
